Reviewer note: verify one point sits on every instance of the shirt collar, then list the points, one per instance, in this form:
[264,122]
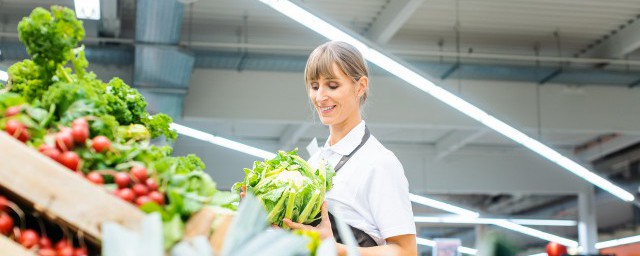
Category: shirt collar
[350,142]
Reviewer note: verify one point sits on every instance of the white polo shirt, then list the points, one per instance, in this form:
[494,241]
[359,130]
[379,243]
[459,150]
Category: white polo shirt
[370,192]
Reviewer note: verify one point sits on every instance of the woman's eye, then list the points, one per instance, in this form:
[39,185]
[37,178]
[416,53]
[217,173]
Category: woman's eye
[333,86]
[314,86]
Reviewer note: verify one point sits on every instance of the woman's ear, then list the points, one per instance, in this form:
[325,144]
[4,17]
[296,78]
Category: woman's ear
[362,85]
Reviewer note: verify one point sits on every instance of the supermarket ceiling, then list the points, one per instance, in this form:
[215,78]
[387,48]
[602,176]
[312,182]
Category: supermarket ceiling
[562,71]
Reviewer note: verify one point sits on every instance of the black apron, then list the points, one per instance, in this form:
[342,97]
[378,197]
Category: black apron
[363,239]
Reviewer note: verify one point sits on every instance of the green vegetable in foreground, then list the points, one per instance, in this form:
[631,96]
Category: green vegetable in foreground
[288,187]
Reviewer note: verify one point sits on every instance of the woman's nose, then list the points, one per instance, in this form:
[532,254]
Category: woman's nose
[321,94]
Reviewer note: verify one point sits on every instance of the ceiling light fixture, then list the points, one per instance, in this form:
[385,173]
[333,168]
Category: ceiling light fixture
[87,9]
[466,220]
[403,72]
[196,134]
[431,243]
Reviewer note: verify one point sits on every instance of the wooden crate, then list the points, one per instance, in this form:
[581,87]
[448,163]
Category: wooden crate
[9,247]
[60,193]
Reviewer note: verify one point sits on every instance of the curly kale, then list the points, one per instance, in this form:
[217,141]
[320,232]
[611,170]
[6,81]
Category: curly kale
[25,78]
[159,125]
[124,102]
[50,36]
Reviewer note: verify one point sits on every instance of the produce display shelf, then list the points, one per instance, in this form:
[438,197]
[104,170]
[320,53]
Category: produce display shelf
[9,247]
[59,193]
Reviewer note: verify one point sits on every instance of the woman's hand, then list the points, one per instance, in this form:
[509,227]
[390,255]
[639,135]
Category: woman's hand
[324,228]
[244,192]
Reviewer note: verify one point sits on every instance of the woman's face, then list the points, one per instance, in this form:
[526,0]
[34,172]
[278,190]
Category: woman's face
[337,99]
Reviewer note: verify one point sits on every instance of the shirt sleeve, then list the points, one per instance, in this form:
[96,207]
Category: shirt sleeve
[388,198]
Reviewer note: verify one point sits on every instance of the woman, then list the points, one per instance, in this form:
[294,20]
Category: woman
[370,192]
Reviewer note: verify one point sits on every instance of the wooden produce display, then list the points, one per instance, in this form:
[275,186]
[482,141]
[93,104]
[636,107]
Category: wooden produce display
[59,193]
[9,247]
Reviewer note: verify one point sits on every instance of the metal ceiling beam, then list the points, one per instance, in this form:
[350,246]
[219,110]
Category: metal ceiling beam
[391,19]
[456,140]
[608,147]
[216,59]
[620,42]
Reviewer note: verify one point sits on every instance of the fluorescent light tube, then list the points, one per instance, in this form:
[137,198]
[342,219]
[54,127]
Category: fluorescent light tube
[467,220]
[442,206]
[536,233]
[4,76]
[431,243]
[87,9]
[387,63]
[196,134]
[618,242]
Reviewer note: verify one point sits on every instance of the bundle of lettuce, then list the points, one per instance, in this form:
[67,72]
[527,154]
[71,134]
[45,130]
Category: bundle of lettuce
[288,187]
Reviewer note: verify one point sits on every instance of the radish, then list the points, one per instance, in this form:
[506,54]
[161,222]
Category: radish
[143,200]
[122,179]
[69,159]
[126,194]
[80,252]
[95,178]
[80,134]
[157,197]
[6,223]
[44,242]
[100,143]
[12,111]
[47,252]
[139,172]
[64,140]
[65,251]
[151,184]
[63,243]
[17,129]
[140,189]
[29,238]
[50,151]
[80,122]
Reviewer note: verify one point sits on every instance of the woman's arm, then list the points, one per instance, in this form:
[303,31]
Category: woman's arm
[397,245]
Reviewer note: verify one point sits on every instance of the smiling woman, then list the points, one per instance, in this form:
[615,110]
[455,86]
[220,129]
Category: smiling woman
[370,191]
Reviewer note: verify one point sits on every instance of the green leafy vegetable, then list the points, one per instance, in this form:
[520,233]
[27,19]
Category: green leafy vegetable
[288,187]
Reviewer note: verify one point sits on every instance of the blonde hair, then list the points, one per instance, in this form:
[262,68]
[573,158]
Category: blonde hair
[348,59]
